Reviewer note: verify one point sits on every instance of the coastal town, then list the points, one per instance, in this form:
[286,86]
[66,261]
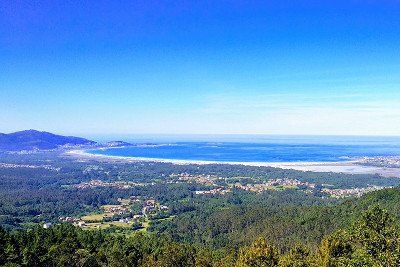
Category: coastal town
[386,162]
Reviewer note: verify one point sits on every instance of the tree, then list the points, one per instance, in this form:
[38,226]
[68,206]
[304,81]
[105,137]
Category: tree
[297,257]
[374,240]
[3,245]
[377,235]
[258,254]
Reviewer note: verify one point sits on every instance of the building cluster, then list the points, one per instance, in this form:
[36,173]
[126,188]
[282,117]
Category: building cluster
[215,191]
[203,179]
[289,183]
[134,218]
[99,183]
[271,184]
[15,166]
[350,192]
[151,206]
[133,199]
[74,221]
[387,162]
[68,219]
[47,225]
[116,209]
[92,168]
[257,187]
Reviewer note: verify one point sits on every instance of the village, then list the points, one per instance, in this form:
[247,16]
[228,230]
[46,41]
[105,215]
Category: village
[275,184]
[137,213]
[99,183]
[202,179]
[121,215]
[259,187]
[351,192]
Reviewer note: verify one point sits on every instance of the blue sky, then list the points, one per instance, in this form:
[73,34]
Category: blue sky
[203,67]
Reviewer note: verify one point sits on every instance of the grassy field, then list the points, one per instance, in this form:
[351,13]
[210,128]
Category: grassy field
[105,225]
[93,226]
[96,217]
[99,217]
[167,219]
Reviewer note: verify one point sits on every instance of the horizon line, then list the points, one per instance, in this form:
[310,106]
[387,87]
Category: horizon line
[203,134]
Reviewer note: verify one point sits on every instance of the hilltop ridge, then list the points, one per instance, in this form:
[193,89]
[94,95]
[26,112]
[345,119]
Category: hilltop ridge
[34,140]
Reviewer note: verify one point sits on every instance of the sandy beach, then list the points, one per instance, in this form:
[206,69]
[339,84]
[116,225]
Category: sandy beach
[351,167]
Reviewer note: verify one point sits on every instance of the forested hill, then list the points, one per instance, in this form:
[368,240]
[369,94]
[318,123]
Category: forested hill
[373,240]
[32,139]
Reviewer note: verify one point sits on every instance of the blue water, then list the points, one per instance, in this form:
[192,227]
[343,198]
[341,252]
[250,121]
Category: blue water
[260,148]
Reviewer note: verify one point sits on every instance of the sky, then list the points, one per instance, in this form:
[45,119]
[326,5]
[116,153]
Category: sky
[200,67]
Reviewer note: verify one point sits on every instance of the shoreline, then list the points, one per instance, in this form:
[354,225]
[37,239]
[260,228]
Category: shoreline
[349,167]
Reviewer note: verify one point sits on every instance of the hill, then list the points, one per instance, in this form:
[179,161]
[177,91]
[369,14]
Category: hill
[32,140]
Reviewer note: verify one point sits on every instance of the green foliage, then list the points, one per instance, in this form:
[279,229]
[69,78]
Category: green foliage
[302,228]
[298,256]
[373,240]
[259,254]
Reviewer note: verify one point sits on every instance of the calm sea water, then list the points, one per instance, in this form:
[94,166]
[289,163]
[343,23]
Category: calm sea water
[257,148]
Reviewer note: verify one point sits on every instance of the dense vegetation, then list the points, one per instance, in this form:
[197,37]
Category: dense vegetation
[373,240]
[274,228]
[285,224]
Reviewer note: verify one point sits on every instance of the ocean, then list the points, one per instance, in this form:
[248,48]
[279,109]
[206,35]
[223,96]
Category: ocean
[245,148]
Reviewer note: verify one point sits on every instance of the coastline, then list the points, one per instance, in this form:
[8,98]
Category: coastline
[350,167]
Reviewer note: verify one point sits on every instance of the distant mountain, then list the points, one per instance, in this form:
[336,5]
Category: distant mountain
[32,140]
[117,144]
